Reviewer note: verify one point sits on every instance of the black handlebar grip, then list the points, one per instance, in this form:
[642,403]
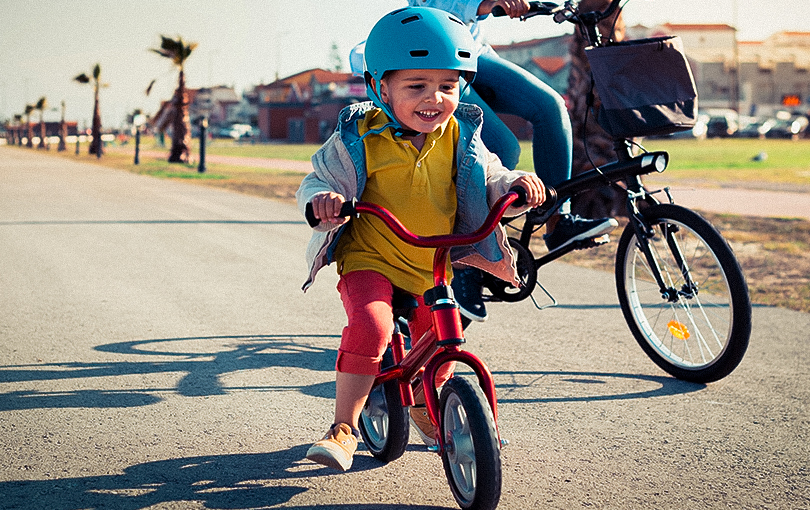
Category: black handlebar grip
[550,201]
[521,199]
[498,11]
[347,209]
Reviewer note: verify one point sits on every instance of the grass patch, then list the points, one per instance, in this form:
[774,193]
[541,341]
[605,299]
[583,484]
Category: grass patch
[726,162]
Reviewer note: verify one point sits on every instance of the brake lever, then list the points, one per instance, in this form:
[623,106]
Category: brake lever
[565,12]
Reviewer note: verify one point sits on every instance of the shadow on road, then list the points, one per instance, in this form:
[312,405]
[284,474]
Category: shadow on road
[218,481]
[241,481]
[206,360]
[203,360]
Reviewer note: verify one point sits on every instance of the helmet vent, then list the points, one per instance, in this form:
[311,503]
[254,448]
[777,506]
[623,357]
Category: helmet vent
[419,53]
[455,20]
[464,54]
[409,19]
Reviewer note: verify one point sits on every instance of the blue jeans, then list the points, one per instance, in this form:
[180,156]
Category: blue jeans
[503,87]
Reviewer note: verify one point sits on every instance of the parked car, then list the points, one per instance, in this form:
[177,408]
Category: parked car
[722,125]
[752,127]
[236,131]
[792,127]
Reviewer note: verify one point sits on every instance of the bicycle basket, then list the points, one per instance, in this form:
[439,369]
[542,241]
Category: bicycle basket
[646,87]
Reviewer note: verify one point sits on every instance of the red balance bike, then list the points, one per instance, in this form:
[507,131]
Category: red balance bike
[465,414]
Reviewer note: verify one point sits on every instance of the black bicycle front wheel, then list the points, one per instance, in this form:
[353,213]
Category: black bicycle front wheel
[472,455]
[384,422]
[698,328]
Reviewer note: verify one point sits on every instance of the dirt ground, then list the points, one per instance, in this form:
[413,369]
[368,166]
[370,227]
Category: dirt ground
[774,255]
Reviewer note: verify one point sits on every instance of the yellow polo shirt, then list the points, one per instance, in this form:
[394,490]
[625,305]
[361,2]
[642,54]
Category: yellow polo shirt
[418,187]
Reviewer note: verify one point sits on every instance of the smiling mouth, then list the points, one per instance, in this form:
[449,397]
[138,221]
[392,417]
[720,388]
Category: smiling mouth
[428,115]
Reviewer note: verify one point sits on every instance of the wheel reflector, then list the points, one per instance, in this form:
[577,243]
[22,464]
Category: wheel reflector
[678,330]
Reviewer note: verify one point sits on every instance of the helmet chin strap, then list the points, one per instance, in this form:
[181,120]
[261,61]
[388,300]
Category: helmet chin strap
[398,128]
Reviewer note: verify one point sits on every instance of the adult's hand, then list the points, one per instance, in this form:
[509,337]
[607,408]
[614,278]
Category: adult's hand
[513,8]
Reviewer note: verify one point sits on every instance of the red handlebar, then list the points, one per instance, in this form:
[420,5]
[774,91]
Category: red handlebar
[443,240]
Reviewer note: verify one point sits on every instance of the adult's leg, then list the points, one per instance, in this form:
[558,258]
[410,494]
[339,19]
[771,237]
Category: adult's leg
[496,136]
[508,88]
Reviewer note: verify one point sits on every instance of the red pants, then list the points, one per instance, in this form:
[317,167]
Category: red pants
[367,298]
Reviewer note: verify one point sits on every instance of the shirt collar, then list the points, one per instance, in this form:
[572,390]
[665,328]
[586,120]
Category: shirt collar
[377,118]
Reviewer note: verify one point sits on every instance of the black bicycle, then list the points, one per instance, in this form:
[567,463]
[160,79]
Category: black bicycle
[680,287]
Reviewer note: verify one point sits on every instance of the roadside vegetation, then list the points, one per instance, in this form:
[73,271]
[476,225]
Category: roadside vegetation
[774,253]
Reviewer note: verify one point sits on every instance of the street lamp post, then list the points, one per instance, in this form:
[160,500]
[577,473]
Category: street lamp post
[203,127]
[138,121]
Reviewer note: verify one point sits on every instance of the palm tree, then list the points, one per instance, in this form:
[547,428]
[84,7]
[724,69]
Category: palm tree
[28,127]
[40,106]
[605,201]
[177,51]
[95,145]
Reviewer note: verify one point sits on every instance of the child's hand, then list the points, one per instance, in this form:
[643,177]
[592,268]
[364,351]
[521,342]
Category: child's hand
[535,190]
[326,207]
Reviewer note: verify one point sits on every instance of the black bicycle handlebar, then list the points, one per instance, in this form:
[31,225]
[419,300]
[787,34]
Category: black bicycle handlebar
[535,9]
[569,12]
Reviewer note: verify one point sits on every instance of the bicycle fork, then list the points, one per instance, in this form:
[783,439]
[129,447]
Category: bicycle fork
[438,346]
[644,233]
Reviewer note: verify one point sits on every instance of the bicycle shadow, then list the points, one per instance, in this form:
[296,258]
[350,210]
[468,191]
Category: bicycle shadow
[617,386]
[236,481]
[204,370]
[205,362]
[240,481]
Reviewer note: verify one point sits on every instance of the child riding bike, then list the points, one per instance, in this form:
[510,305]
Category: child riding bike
[417,152]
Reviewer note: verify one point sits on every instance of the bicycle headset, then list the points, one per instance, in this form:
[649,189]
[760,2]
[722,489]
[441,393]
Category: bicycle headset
[417,38]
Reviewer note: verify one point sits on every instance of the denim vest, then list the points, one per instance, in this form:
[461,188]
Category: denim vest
[340,166]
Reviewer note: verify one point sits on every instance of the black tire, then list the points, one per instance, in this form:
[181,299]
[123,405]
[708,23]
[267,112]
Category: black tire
[472,455]
[384,422]
[695,334]
[527,272]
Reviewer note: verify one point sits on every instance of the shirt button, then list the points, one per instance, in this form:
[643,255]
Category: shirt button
[418,165]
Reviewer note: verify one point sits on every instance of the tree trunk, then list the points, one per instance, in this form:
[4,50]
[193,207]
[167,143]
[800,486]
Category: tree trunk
[96,147]
[62,136]
[181,132]
[604,201]
[42,132]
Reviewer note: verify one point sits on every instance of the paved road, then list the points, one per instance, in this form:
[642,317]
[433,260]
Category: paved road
[156,352]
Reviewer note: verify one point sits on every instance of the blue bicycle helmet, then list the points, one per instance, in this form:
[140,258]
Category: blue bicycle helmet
[417,38]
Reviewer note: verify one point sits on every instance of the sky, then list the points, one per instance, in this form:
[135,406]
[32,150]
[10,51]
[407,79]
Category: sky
[243,43]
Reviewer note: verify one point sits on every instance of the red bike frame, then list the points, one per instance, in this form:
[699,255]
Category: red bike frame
[441,344]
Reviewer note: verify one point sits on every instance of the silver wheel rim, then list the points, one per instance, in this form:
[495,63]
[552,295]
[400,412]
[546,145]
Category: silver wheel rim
[460,447]
[693,331]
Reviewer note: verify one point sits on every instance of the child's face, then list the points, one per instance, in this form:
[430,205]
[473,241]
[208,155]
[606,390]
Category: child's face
[422,99]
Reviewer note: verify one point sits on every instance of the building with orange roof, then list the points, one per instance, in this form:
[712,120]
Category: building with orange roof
[304,107]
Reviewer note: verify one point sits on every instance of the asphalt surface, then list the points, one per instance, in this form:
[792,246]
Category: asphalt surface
[156,351]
